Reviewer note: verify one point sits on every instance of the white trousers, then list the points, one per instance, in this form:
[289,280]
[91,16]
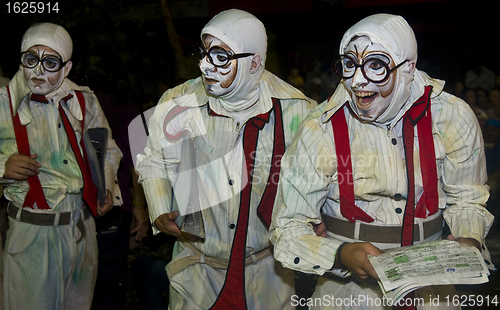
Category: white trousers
[267,285]
[44,268]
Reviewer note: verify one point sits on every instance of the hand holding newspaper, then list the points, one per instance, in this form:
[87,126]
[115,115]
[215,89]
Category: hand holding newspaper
[402,270]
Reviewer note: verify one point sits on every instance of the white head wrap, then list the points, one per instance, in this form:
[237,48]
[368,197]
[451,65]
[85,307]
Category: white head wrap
[51,35]
[395,35]
[243,33]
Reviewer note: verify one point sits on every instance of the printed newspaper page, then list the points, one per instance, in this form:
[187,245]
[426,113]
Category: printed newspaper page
[402,270]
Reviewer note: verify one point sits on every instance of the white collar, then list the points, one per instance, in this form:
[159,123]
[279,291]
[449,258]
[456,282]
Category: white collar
[20,97]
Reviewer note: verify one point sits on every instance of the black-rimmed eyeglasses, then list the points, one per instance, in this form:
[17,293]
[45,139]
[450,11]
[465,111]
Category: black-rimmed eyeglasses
[50,63]
[374,68]
[217,56]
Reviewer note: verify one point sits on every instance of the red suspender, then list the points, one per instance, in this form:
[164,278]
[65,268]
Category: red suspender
[89,188]
[346,187]
[232,294]
[35,193]
[420,115]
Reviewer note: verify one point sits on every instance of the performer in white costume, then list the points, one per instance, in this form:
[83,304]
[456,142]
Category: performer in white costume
[50,256]
[381,164]
[240,118]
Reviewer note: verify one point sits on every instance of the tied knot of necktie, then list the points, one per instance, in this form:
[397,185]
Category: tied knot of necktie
[39,98]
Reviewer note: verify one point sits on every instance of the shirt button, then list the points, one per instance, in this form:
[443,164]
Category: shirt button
[397,196]
[81,189]
[59,125]
[394,141]
[296,260]
[232,226]
[117,198]
[231,182]
[398,210]
[316,267]
[65,162]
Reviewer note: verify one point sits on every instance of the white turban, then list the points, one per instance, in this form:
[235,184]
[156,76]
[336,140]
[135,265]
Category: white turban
[240,30]
[390,31]
[395,35]
[243,33]
[50,35]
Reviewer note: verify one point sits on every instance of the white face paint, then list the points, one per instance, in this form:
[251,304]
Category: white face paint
[40,81]
[371,99]
[218,81]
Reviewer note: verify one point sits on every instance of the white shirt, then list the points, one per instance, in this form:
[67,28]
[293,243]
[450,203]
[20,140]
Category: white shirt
[219,159]
[60,174]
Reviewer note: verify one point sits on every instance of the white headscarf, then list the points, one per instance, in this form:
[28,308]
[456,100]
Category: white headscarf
[243,33]
[51,35]
[395,35]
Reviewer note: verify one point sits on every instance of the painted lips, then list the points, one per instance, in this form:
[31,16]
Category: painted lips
[365,98]
[210,81]
[38,81]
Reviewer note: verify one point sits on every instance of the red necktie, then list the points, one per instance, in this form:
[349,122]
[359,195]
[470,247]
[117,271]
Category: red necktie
[409,121]
[232,294]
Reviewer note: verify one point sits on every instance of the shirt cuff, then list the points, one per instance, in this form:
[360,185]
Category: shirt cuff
[3,160]
[469,223]
[300,249]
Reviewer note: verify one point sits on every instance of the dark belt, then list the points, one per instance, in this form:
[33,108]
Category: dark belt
[380,234]
[47,219]
[44,219]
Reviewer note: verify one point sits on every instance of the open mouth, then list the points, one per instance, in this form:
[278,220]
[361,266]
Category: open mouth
[365,98]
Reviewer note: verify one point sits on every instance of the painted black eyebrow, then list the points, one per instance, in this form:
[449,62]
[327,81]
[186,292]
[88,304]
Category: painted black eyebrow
[365,50]
[356,48]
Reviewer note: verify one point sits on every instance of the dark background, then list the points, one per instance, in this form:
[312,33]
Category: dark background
[122,49]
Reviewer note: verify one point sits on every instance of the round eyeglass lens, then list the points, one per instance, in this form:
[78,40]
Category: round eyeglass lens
[218,57]
[375,69]
[51,63]
[29,60]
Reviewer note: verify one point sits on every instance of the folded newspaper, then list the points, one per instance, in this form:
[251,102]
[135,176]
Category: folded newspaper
[402,270]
